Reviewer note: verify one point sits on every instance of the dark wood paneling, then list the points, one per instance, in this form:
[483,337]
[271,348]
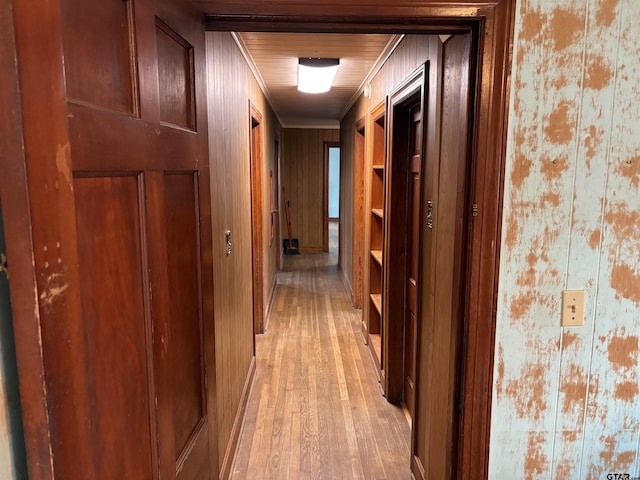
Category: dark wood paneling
[231,200]
[181,207]
[422,415]
[357,230]
[117,396]
[231,86]
[303,176]
[444,269]
[17,229]
[352,202]
[485,189]
[100,35]
[129,144]
[402,100]
[92,254]
[50,217]
[347,205]
[175,77]
[258,214]
[157,260]
[271,134]
[41,58]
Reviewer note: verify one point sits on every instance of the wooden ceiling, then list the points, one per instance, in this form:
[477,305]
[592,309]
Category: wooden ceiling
[273,58]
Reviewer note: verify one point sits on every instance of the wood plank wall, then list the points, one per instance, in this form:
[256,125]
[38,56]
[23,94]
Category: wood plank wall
[409,55]
[347,195]
[432,403]
[302,176]
[271,131]
[231,86]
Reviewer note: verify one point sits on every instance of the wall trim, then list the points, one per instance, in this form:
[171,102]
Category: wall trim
[347,284]
[417,468]
[272,294]
[494,20]
[238,423]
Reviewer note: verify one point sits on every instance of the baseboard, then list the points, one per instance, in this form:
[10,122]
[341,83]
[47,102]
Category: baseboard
[267,313]
[232,446]
[416,468]
[347,285]
[311,249]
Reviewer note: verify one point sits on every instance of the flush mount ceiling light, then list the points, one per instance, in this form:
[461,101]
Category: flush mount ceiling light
[315,75]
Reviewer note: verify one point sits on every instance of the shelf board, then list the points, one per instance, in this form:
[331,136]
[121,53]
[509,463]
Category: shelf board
[377,255]
[375,344]
[378,167]
[378,212]
[376,299]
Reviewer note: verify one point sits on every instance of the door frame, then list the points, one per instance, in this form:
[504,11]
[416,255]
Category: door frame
[359,200]
[256,165]
[325,197]
[411,92]
[494,22]
[275,213]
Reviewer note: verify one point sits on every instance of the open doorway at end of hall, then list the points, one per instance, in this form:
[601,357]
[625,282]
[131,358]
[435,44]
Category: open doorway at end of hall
[332,198]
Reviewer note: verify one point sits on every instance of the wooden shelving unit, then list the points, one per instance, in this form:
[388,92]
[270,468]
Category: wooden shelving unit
[373,318]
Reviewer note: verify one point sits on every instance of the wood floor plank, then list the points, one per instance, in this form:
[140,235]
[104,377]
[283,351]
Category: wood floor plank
[315,411]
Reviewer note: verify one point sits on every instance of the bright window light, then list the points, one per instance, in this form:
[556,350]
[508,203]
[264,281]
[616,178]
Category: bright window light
[315,75]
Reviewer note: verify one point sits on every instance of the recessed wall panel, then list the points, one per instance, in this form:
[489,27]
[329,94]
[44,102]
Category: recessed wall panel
[113,328]
[99,54]
[184,280]
[175,77]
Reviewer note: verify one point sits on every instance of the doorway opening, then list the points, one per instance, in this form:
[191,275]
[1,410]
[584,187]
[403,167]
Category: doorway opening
[332,207]
[275,205]
[406,127]
[491,29]
[358,234]
[257,187]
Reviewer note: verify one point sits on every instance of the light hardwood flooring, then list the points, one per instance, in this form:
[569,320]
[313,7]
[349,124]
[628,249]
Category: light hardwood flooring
[315,410]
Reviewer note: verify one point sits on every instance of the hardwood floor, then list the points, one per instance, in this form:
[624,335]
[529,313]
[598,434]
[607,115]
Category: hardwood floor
[315,410]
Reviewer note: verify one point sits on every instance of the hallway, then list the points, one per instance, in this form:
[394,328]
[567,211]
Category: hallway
[315,410]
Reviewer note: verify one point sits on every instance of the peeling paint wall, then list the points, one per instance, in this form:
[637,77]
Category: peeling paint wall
[565,400]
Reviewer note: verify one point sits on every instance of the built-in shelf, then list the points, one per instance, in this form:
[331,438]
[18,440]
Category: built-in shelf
[373,318]
[376,299]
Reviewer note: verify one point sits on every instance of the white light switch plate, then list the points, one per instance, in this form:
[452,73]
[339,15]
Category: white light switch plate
[573,308]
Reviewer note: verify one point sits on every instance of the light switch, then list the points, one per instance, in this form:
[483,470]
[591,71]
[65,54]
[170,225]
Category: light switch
[572,308]
[227,241]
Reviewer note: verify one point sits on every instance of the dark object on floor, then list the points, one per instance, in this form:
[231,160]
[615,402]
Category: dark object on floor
[290,244]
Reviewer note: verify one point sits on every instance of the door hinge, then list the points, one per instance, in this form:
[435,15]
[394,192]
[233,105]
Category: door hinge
[430,215]
[474,210]
[4,267]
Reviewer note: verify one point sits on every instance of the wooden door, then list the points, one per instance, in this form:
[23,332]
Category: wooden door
[358,230]
[402,237]
[445,266]
[257,189]
[413,254]
[275,215]
[116,156]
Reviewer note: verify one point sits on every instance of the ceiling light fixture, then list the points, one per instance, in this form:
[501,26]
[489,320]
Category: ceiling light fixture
[315,75]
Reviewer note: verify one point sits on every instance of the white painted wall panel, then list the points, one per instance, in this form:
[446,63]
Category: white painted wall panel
[565,400]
